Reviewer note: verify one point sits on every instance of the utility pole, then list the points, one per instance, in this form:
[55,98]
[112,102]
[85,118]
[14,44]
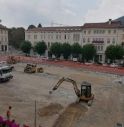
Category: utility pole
[35,115]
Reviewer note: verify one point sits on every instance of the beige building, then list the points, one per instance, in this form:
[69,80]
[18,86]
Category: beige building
[3,39]
[99,34]
[69,34]
[103,35]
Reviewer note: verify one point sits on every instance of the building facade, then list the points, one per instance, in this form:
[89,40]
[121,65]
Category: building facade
[3,39]
[100,35]
[71,34]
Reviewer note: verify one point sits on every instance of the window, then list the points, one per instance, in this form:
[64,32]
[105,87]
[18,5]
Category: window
[101,48]
[89,32]
[88,39]
[94,31]
[76,37]
[100,57]
[68,36]
[103,31]
[35,36]
[48,44]
[28,36]
[1,38]
[5,39]
[5,47]
[98,48]
[109,31]
[65,36]
[48,36]
[94,39]
[51,36]
[56,36]
[60,36]
[114,31]
[83,40]
[123,36]
[2,48]
[85,32]
[97,31]
[113,41]
[108,40]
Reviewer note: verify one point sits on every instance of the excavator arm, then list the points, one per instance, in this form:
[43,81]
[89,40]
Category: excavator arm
[77,91]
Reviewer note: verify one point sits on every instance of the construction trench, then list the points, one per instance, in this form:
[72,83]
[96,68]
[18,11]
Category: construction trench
[60,109]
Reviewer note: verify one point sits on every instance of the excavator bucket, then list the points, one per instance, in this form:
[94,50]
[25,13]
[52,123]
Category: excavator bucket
[40,70]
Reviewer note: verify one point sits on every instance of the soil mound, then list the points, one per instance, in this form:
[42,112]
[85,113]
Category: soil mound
[70,116]
[50,110]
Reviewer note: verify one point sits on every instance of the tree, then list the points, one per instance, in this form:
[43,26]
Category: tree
[114,52]
[31,26]
[88,52]
[119,52]
[76,50]
[16,36]
[39,26]
[40,47]
[26,47]
[56,49]
[66,50]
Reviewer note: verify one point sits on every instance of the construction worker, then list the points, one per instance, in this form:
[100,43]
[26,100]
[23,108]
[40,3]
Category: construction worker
[8,113]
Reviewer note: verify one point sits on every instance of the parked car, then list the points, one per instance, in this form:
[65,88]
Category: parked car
[104,64]
[88,63]
[114,65]
[4,63]
[75,59]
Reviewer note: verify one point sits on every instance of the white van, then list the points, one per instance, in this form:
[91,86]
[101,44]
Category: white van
[5,73]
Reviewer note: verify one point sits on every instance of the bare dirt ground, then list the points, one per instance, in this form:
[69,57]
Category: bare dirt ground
[60,109]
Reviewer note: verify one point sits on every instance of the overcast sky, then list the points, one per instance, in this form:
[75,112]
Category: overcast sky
[67,12]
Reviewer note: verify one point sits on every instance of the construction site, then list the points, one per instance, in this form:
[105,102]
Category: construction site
[55,96]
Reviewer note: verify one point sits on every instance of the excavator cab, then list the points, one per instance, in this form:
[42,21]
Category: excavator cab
[86,89]
[86,93]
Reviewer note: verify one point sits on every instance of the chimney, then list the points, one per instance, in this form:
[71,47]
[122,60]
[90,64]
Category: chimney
[110,21]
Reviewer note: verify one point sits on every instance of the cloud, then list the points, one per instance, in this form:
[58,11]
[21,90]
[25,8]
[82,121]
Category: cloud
[105,10]
[26,12]
[67,12]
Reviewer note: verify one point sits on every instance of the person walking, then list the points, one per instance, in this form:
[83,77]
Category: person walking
[8,113]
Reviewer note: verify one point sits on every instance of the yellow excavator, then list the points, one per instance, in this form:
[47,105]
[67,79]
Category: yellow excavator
[84,94]
[32,68]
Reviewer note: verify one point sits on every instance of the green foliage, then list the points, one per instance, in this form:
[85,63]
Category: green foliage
[76,50]
[39,25]
[56,49]
[31,26]
[119,52]
[114,52]
[40,47]
[26,47]
[88,52]
[66,50]
[16,36]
